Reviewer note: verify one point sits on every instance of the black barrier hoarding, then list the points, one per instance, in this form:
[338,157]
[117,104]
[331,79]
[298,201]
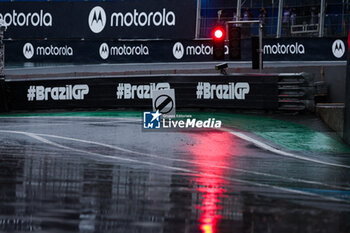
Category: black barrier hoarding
[3,102]
[209,91]
[67,51]
[44,51]
[132,19]
[255,53]
[304,49]
[80,52]
[106,51]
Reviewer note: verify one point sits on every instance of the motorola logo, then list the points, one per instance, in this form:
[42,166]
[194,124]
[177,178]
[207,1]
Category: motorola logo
[50,50]
[178,50]
[28,50]
[123,50]
[27,19]
[104,51]
[282,49]
[97,19]
[338,48]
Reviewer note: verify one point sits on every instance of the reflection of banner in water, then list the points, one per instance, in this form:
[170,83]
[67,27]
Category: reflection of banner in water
[211,150]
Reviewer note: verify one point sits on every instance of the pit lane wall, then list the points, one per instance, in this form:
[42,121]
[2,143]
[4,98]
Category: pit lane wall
[147,51]
[191,91]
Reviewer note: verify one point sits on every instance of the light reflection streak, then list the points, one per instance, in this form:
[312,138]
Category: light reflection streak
[211,149]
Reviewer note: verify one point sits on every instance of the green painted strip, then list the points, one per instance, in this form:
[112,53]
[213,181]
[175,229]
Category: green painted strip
[290,135]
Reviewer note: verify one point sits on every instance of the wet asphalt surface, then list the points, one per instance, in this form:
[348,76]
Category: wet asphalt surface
[109,175]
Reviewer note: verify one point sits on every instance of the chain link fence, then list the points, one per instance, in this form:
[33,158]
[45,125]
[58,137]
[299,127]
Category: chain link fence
[299,17]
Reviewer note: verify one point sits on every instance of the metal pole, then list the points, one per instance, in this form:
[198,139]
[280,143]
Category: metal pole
[272,16]
[198,21]
[346,130]
[322,16]
[279,19]
[3,102]
[343,19]
[2,54]
[243,21]
[260,47]
[239,9]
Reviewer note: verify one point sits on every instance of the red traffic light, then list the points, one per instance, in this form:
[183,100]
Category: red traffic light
[218,33]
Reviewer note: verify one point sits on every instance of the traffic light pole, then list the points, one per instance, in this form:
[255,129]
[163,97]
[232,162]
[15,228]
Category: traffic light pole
[239,9]
[2,53]
[198,19]
[3,102]
[260,47]
[346,132]
[260,37]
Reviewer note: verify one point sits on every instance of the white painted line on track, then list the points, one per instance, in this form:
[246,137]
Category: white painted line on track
[240,135]
[187,161]
[280,152]
[74,117]
[70,123]
[39,138]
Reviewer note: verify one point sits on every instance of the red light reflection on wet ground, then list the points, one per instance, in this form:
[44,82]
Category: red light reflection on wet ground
[210,149]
